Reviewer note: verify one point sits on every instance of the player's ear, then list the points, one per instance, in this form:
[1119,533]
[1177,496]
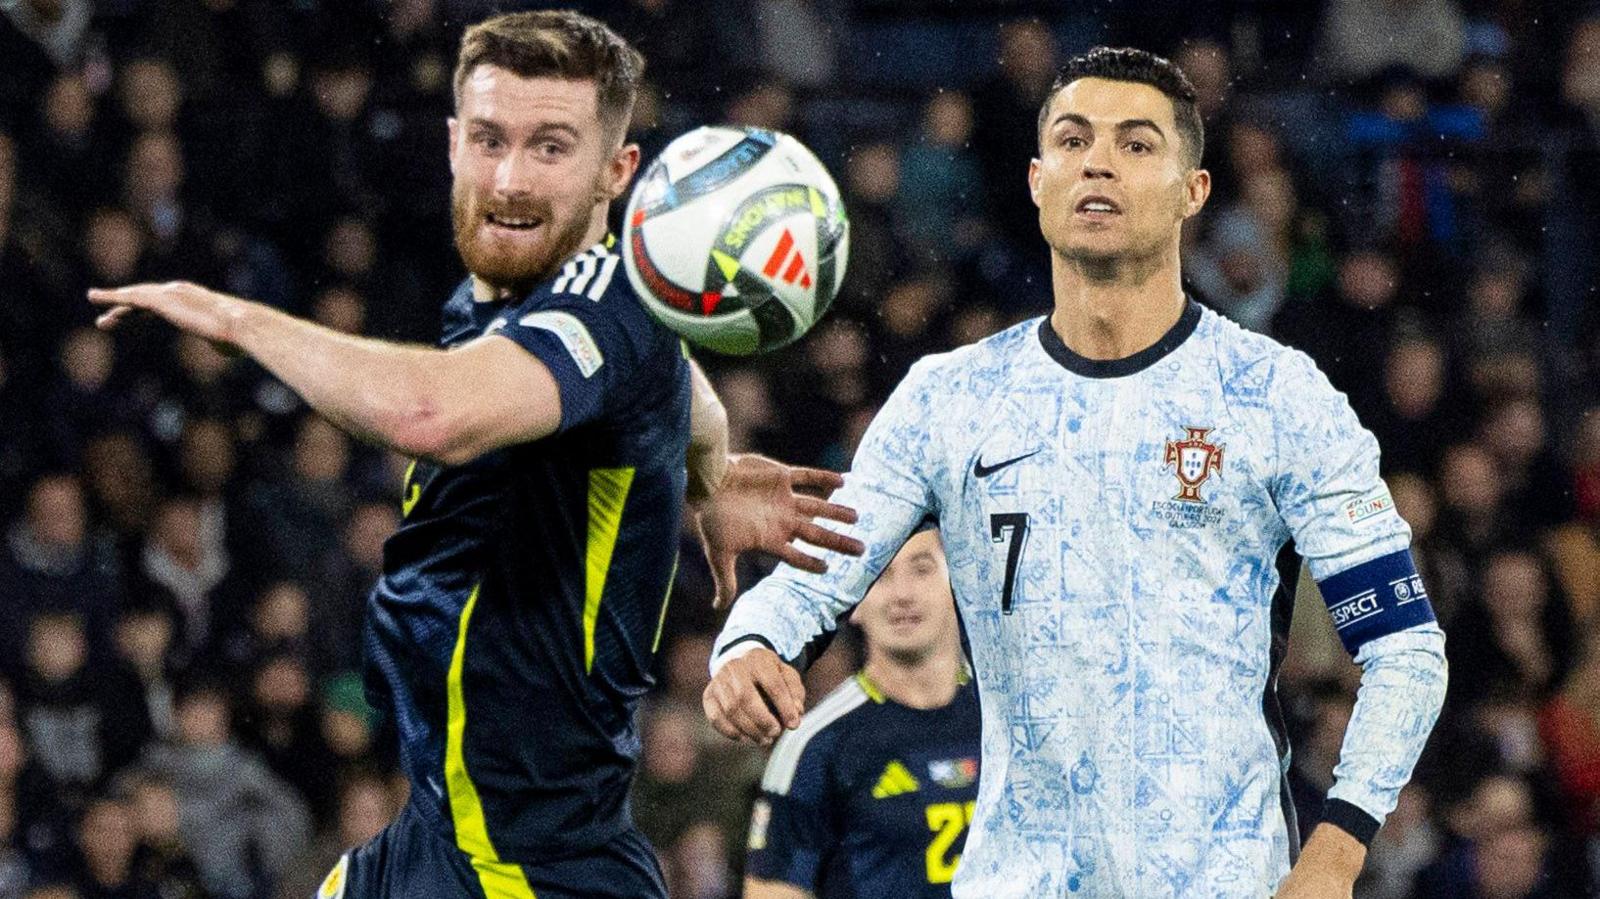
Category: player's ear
[620,170]
[453,128]
[1033,180]
[1197,184]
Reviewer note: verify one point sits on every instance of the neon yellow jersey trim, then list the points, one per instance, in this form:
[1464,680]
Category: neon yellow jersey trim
[872,691]
[608,493]
[500,880]
[661,622]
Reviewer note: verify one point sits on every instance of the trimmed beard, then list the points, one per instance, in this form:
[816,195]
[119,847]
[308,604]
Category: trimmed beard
[502,270]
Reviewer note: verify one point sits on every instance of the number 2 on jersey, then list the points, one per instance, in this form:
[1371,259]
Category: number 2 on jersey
[947,820]
[1017,524]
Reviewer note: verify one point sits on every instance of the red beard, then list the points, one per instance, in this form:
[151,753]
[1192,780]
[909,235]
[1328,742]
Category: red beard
[505,267]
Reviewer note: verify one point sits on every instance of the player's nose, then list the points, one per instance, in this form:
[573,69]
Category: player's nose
[514,176]
[1098,161]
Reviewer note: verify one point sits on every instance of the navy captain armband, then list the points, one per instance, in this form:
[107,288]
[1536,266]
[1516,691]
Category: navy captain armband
[1376,599]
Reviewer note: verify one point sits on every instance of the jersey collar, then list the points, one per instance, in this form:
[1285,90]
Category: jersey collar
[480,292]
[1127,365]
[876,694]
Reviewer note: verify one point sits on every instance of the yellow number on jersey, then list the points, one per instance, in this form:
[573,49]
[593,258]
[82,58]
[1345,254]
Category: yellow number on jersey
[947,820]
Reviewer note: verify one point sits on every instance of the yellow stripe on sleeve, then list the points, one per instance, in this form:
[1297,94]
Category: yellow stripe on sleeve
[661,622]
[500,880]
[608,493]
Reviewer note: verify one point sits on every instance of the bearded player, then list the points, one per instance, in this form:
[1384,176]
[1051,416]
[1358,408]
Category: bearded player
[1122,487]
[514,627]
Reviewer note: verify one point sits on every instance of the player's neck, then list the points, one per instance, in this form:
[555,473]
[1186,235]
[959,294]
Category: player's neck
[599,225]
[928,684]
[1114,310]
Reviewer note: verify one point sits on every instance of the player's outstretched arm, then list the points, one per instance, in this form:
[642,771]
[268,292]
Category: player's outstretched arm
[448,406]
[759,506]
[708,436]
[748,503]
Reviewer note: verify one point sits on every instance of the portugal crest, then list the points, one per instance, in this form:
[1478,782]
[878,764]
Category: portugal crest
[1195,459]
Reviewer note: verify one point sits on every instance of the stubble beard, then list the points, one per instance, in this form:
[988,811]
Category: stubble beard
[1134,263]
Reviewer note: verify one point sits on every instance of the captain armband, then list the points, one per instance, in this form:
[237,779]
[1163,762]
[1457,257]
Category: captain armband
[1376,599]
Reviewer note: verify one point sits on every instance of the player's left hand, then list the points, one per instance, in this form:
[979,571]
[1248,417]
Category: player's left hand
[758,506]
[188,307]
[1328,867]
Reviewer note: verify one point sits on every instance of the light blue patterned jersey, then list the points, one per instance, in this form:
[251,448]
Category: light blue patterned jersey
[1114,533]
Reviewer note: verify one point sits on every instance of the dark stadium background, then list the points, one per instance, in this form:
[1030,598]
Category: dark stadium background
[1407,189]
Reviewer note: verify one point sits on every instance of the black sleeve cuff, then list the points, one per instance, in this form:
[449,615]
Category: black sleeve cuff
[1351,820]
[808,653]
[748,638]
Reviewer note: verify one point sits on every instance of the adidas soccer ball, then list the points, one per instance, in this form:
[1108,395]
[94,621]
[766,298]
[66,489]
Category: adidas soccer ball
[736,239]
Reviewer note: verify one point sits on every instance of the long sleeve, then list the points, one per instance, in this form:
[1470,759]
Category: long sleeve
[889,487]
[1403,680]
[1345,525]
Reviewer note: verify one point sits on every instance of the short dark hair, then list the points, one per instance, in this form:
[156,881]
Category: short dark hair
[1141,67]
[559,43]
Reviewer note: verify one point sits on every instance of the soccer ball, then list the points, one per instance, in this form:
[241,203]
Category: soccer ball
[736,239]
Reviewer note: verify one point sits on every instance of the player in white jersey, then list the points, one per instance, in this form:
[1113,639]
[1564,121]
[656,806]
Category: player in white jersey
[1120,488]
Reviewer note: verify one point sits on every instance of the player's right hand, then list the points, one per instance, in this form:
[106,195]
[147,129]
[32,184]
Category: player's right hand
[754,697]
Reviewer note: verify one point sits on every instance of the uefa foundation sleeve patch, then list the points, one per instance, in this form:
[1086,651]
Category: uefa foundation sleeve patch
[1376,598]
[573,335]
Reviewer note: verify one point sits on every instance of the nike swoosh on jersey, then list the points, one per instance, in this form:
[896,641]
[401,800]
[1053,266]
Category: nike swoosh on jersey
[980,470]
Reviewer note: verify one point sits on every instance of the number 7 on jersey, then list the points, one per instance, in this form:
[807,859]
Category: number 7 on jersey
[1017,524]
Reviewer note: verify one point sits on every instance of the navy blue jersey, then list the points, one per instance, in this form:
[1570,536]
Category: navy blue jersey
[868,797]
[512,633]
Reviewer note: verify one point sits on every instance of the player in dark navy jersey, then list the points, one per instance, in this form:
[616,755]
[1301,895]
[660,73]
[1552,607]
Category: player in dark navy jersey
[522,599]
[872,794]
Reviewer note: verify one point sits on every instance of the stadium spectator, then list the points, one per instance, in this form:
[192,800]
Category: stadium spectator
[107,843]
[145,647]
[1007,132]
[345,575]
[241,822]
[1360,38]
[681,784]
[940,184]
[81,724]
[162,858]
[365,807]
[1570,725]
[184,555]
[53,561]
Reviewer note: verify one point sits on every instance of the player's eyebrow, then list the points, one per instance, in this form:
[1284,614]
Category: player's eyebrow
[1127,125]
[478,122]
[556,126]
[1122,127]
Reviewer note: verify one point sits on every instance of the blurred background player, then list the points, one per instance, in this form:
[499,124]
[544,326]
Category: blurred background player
[1130,484]
[871,796]
[514,628]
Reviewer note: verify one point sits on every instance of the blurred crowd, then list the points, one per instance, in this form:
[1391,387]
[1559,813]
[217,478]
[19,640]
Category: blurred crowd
[1406,189]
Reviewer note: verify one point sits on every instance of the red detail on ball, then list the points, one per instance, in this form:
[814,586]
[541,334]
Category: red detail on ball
[779,253]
